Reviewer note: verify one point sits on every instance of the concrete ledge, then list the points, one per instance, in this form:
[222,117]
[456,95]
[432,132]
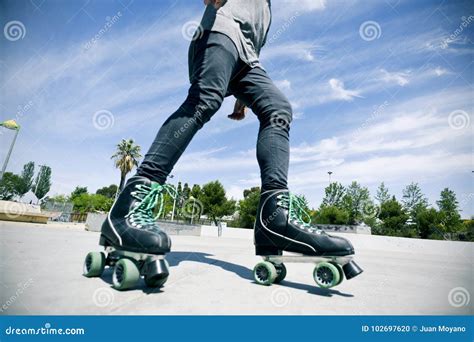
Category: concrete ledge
[22,212]
[32,218]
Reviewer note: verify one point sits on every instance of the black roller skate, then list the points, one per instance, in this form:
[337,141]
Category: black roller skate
[282,224]
[134,243]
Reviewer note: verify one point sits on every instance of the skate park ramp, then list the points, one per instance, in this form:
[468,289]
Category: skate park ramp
[41,269]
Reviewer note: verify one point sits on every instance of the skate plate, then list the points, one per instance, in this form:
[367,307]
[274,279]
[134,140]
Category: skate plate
[329,271]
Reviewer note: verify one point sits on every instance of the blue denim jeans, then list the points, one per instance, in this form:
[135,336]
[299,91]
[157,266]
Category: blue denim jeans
[215,72]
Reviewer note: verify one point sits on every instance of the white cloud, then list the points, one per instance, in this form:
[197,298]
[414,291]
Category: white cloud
[340,93]
[283,84]
[401,78]
[439,71]
[293,50]
[284,8]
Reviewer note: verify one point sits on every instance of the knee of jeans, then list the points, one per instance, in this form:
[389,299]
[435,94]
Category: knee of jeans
[278,113]
[204,105]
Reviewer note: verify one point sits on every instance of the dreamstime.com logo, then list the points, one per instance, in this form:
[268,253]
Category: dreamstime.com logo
[458,297]
[280,120]
[370,30]
[280,297]
[13,210]
[459,119]
[192,30]
[103,119]
[103,296]
[46,330]
[14,30]
[192,208]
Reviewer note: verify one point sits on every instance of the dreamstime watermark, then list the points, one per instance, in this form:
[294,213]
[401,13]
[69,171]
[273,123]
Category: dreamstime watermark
[272,216]
[465,22]
[197,115]
[280,119]
[192,208]
[14,30]
[376,113]
[283,28]
[370,30]
[103,119]
[192,30]
[280,297]
[103,296]
[47,329]
[459,119]
[19,291]
[109,22]
[370,210]
[458,297]
[26,107]
[13,210]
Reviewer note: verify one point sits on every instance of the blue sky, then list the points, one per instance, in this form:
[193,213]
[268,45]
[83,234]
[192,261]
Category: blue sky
[381,90]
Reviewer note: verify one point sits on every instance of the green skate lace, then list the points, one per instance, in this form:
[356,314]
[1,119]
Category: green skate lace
[296,210]
[148,197]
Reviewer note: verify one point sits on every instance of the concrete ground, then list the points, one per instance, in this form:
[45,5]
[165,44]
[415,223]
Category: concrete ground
[41,273]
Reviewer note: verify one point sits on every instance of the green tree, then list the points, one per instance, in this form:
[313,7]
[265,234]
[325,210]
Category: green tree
[186,191]
[85,203]
[9,185]
[79,190]
[469,229]
[334,195]
[196,191]
[428,223]
[215,203]
[43,182]
[248,207]
[358,204]
[107,191]
[331,215]
[26,178]
[448,208]
[414,200]
[382,195]
[393,217]
[126,157]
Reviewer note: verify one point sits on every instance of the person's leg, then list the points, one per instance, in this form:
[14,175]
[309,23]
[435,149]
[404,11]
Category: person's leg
[274,112]
[213,61]
[131,224]
[280,225]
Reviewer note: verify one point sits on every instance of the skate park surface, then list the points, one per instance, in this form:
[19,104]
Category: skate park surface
[41,274]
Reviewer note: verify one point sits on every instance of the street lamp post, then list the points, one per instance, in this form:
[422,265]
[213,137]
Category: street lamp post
[37,180]
[9,124]
[174,200]
[194,205]
[329,173]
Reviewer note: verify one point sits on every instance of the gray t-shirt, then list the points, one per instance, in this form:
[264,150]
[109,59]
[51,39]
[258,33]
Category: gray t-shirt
[245,22]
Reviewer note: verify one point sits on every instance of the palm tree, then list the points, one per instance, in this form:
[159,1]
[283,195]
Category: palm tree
[126,157]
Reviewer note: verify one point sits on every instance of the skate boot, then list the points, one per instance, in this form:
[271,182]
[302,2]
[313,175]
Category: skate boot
[134,243]
[282,224]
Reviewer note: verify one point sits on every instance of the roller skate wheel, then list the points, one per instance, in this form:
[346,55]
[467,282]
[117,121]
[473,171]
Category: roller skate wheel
[94,264]
[126,274]
[281,273]
[326,275]
[265,273]
[341,272]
